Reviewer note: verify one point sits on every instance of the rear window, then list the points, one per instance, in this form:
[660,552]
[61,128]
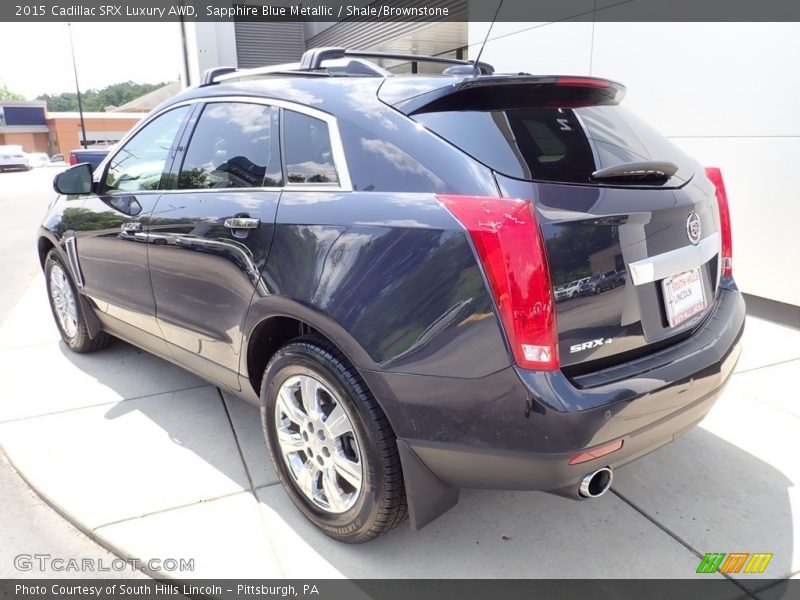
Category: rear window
[554,144]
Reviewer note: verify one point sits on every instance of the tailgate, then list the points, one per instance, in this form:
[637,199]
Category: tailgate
[647,285]
[631,223]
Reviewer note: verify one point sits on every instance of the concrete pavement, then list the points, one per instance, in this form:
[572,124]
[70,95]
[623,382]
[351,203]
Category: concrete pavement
[31,529]
[24,198]
[156,463]
[27,525]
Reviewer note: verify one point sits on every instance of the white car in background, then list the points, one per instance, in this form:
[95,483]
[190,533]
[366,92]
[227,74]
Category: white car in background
[14,157]
[38,159]
[41,159]
[569,290]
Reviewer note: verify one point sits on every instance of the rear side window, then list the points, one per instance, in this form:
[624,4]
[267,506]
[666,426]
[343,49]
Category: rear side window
[234,145]
[553,144]
[309,155]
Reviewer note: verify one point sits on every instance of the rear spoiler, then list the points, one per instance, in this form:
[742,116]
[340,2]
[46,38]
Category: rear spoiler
[499,92]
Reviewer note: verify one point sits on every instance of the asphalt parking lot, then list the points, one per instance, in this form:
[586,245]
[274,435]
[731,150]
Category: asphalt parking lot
[154,462]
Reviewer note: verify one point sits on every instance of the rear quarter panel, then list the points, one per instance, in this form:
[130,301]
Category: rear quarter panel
[396,272]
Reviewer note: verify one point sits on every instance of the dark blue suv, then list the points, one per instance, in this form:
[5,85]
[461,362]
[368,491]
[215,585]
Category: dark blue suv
[371,258]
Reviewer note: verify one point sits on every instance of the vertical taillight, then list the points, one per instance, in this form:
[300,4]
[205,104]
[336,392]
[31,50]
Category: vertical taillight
[726,252]
[511,250]
[73,160]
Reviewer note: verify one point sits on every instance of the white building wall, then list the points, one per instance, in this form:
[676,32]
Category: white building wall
[209,45]
[725,92]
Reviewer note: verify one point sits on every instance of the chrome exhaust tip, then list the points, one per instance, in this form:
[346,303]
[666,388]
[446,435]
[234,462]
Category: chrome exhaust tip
[596,483]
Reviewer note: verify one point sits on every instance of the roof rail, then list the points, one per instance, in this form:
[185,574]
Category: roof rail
[311,64]
[483,68]
[312,59]
[236,74]
[212,75]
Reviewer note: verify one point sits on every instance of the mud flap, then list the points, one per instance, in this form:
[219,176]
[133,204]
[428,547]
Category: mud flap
[428,498]
[93,326]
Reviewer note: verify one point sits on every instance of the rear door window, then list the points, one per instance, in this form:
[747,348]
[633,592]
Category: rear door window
[309,155]
[234,145]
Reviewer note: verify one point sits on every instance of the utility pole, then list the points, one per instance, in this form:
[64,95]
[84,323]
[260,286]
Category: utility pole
[77,87]
[187,78]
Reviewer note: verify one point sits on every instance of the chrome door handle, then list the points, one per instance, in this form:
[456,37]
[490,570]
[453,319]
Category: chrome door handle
[242,223]
[131,226]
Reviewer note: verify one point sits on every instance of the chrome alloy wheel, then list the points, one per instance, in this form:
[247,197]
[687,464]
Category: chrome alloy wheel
[63,301]
[318,444]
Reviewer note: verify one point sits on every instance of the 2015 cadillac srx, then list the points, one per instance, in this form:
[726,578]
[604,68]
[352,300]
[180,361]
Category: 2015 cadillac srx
[371,259]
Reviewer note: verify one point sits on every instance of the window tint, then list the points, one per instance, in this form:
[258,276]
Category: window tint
[234,145]
[140,162]
[309,157]
[532,143]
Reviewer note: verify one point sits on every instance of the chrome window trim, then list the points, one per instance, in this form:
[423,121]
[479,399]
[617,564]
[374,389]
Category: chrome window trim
[676,261]
[339,161]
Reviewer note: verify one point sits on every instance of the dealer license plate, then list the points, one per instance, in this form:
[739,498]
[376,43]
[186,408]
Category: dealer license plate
[684,295]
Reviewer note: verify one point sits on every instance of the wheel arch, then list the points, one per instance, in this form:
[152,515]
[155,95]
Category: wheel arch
[44,244]
[275,320]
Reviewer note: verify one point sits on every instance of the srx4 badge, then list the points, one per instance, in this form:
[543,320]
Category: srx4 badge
[587,345]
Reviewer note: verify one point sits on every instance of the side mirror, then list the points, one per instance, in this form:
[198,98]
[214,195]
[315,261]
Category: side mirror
[57,158]
[75,180]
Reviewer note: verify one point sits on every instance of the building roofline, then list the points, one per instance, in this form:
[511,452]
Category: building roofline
[23,103]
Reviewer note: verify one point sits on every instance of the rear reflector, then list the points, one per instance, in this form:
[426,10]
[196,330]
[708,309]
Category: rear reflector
[588,455]
[726,251]
[511,251]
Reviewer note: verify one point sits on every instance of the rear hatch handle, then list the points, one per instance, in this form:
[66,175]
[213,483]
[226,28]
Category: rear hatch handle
[637,172]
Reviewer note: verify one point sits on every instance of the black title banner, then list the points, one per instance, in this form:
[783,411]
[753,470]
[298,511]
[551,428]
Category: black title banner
[400,10]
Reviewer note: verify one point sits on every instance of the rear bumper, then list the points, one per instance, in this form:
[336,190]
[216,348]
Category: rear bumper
[518,429]
[468,467]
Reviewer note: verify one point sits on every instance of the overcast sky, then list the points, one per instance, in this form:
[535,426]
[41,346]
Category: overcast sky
[35,57]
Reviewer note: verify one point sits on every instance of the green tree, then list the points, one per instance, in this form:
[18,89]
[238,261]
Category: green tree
[60,102]
[7,94]
[97,100]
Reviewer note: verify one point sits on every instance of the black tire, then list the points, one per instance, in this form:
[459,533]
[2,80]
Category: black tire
[381,503]
[79,341]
